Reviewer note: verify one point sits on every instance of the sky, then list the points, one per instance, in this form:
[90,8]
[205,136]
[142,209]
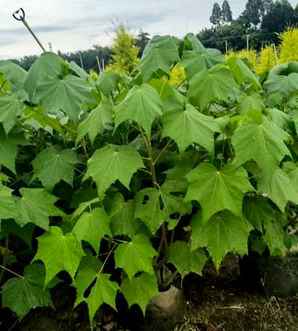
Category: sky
[71,25]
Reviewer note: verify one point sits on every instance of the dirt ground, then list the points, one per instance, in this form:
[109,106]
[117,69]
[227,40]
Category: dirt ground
[218,302]
[212,308]
[237,310]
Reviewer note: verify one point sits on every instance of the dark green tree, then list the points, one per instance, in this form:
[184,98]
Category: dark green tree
[267,6]
[227,15]
[253,12]
[141,41]
[280,16]
[216,15]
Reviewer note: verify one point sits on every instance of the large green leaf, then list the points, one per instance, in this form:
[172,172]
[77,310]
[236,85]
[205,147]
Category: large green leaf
[171,98]
[9,149]
[96,122]
[268,221]
[242,73]
[53,165]
[67,95]
[263,143]
[284,85]
[190,126]
[47,66]
[214,85]
[122,215]
[86,274]
[135,256]
[15,74]
[156,206]
[192,42]
[49,84]
[37,118]
[186,261]
[140,290]
[10,108]
[108,82]
[194,61]
[141,105]
[159,55]
[112,163]
[23,294]
[279,188]
[92,227]
[7,203]
[104,291]
[172,194]
[291,169]
[36,206]
[59,252]
[252,105]
[223,234]
[148,208]
[218,190]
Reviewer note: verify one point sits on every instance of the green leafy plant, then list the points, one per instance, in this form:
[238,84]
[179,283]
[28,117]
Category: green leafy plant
[120,179]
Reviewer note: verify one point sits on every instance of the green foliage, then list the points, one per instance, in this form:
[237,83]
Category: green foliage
[98,120]
[58,252]
[92,227]
[52,165]
[226,187]
[188,127]
[142,105]
[185,260]
[145,284]
[112,163]
[135,256]
[213,85]
[222,234]
[102,176]
[10,108]
[104,291]
[159,56]
[21,294]
[36,206]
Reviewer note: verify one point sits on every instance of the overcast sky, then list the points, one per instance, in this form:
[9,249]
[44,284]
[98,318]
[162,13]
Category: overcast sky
[78,24]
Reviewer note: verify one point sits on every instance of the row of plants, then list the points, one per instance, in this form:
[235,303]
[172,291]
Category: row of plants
[116,184]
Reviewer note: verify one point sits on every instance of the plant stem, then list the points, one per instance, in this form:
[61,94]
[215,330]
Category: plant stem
[147,142]
[4,261]
[11,271]
[107,258]
[162,151]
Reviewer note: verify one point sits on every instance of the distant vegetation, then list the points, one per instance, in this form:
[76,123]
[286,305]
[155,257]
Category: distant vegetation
[257,26]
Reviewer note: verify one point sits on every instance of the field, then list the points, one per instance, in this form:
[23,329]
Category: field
[115,187]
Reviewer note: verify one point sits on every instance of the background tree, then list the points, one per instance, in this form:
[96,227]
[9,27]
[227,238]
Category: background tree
[124,52]
[216,15]
[142,40]
[89,57]
[226,12]
[280,16]
[261,19]
[253,12]
[267,6]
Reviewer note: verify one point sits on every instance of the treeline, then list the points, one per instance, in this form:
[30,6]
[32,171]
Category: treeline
[258,25]
[95,58]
